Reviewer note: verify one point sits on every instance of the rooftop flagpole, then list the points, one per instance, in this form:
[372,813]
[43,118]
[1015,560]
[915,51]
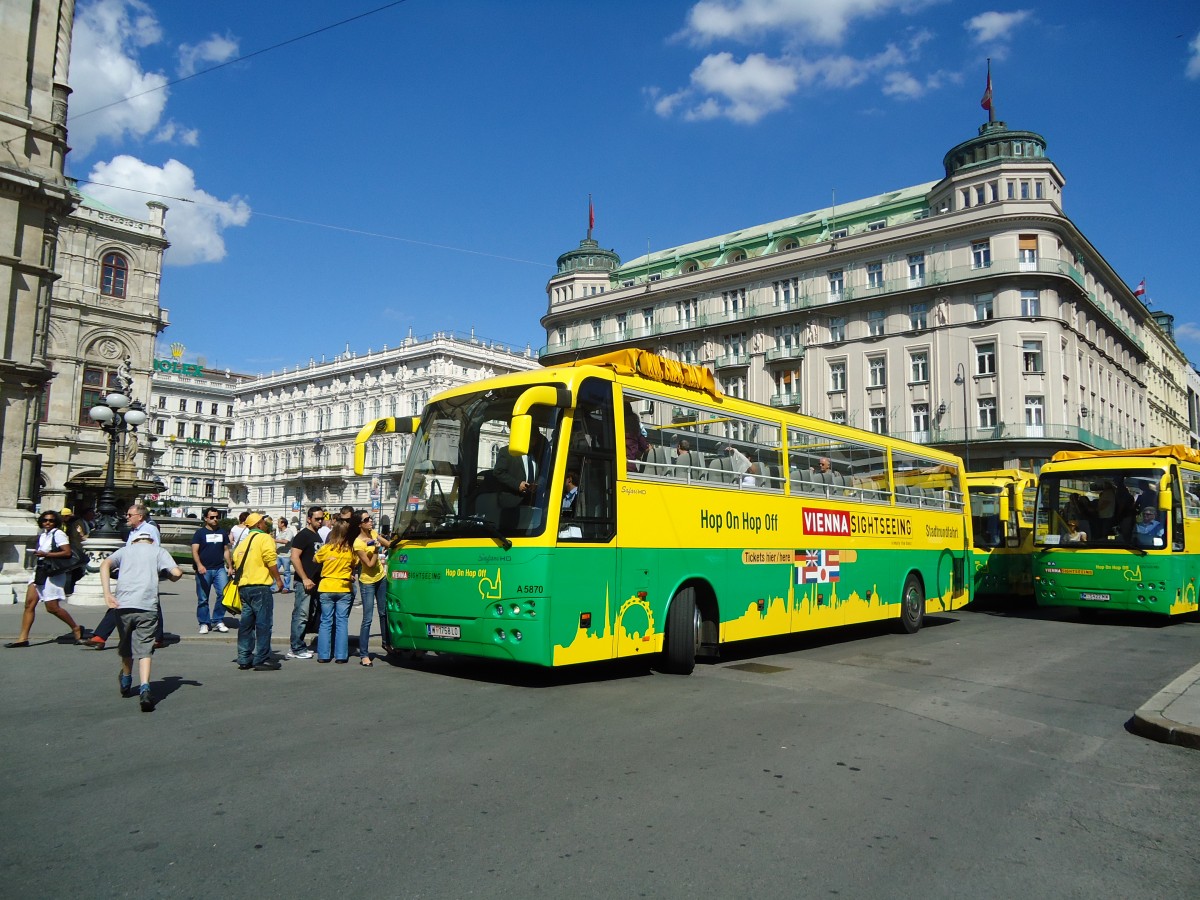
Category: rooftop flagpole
[987,102]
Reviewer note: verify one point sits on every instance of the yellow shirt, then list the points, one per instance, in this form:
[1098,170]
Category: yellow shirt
[336,565]
[258,565]
[370,575]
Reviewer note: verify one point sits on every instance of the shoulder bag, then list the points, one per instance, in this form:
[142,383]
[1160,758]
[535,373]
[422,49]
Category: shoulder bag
[230,598]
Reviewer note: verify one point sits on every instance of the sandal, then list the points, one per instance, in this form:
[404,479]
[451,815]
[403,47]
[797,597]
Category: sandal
[365,662]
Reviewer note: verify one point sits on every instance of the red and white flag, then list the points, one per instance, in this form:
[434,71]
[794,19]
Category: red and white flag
[986,102]
[591,214]
[1140,290]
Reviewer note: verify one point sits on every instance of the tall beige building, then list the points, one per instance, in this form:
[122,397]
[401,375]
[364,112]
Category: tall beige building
[35,47]
[969,313]
[105,321]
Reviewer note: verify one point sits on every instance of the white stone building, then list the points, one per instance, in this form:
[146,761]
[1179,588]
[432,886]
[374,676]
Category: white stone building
[969,313]
[293,439]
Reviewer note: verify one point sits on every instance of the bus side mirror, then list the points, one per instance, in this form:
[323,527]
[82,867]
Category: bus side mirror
[521,426]
[388,425]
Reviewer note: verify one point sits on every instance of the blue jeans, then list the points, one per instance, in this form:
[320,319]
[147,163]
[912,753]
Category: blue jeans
[217,578]
[299,616]
[331,631]
[285,569]
[372,595]
[254,631]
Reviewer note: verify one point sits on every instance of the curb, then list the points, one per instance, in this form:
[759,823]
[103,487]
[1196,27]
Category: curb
[1150,722]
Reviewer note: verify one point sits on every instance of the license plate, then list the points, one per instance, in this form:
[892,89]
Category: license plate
[1100,597]
[446,632]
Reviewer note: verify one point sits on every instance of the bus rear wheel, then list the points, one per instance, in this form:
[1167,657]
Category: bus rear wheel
[683,633]
[912,604]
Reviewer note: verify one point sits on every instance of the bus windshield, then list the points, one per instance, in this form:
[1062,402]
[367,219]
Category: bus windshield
[460,479]
[1116,508]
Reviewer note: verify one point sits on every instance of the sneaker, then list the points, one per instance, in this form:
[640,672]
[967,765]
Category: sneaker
[299,654]
[204,629]
[146,699]
[270,665]
[126,685]
[95,643]
[244,666]
[222,627]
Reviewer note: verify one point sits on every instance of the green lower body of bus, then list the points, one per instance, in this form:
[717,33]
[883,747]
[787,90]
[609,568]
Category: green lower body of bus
[1001,574]
[1160,583]
[566,605]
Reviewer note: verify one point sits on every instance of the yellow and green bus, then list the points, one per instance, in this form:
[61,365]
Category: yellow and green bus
[1119,529]
[1002,502]
[623,506]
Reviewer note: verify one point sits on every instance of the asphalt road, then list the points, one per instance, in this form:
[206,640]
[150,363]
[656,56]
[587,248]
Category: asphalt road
[986,756]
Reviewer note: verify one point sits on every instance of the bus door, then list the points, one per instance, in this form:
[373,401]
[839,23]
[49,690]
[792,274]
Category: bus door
[586,567]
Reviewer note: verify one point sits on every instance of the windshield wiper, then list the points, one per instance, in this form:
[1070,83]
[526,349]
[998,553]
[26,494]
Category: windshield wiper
[490,529]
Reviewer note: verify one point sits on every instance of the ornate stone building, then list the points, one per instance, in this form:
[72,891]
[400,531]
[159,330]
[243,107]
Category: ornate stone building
[968,312]
[35,48]
[106,320]
[294,431]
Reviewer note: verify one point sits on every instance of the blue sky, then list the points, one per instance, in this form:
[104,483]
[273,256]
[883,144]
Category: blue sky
[424,166]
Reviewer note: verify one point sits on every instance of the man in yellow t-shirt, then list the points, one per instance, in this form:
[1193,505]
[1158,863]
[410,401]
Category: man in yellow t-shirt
[254,557]
[370,550]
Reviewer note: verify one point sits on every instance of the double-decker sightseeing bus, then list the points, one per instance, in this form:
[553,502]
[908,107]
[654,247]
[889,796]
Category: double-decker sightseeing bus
[1002,503]
[1119,529]
[623,506]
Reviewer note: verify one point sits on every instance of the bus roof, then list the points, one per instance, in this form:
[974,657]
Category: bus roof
[655,368]
[1173,451]
[999,476]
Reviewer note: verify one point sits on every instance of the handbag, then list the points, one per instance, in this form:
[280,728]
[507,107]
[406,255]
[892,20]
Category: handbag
[56,565]
[231,599]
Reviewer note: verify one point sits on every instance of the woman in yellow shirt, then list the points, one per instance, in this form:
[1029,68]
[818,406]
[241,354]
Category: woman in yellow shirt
[371,585]
[336,559]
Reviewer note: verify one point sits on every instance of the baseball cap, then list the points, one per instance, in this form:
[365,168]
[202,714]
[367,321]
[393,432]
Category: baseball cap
[66,511]
[253,520]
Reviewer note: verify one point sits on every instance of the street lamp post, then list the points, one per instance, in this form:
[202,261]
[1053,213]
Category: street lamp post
[116,416]
[961,378]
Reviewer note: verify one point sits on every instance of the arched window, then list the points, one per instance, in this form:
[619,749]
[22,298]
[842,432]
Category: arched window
[376,408]
[176,486]
[290,423]
[303,421]
[361,409]
[195,460]
[114,272]
[193,487]
[394,405]
[375,454]
[210,460]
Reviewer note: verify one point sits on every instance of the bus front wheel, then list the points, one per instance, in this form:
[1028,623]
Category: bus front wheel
[912,604]
[683,632]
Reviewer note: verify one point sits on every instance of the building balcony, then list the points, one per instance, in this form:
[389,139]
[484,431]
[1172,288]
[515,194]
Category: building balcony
[731,361]
[785,354]
[786,401]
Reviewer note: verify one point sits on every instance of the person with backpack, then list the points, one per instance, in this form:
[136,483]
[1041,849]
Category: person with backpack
[45,586]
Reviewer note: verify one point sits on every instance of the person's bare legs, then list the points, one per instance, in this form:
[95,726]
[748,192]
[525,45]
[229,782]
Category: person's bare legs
[31,602]
[55,609]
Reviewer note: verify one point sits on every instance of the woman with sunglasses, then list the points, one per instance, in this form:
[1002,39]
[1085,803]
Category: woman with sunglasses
[368,547]
[52,543]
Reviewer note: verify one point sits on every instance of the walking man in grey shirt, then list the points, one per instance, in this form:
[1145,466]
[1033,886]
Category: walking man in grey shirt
[136,603]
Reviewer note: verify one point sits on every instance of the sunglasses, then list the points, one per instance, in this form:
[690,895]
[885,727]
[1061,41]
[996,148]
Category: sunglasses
[45,521]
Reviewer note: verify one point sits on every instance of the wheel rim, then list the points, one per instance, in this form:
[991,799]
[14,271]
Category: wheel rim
[912,603]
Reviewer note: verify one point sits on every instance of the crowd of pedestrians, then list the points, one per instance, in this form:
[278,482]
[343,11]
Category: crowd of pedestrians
[324,564]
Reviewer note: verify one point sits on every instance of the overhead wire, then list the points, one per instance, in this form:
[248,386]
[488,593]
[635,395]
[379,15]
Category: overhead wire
[331,227]
[243,58]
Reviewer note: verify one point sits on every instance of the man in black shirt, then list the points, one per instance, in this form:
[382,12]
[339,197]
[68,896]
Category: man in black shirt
[307,575]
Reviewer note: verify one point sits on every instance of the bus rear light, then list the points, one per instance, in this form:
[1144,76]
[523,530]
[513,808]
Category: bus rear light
[761,604]
[585,620]
[641,595]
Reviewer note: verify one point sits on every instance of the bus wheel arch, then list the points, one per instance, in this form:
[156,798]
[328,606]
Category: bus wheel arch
[912,603]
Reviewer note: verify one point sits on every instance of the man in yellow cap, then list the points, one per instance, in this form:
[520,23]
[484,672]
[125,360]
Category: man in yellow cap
[255,559]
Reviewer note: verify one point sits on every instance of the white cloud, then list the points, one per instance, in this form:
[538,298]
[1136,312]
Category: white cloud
[105,68]
[195,229]
[903,85]
[214,51]
[1193,66]
[750,89]
[1188,331]
[173,132]
[990,27]
[814,21]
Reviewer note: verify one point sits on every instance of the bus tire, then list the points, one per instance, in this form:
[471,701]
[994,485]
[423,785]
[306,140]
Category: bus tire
[683,632]
[912,604]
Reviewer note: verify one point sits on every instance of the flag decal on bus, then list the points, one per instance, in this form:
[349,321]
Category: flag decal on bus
[818,566]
